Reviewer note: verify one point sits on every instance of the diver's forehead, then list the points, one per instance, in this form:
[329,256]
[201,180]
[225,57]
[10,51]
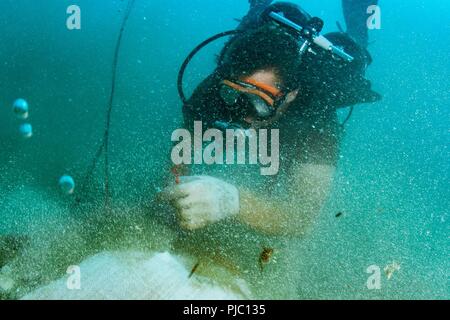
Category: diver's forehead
[267,76]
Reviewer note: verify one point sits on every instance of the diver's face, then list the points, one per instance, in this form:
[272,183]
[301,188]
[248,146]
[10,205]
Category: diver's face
[270,78]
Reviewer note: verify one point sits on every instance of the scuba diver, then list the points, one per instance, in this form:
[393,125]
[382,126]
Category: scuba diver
[276,72]
[267,78]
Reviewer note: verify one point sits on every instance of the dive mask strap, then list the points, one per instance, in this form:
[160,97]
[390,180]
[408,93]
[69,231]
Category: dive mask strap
[264,91]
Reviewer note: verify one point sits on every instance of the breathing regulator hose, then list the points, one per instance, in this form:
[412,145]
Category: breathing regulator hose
[193,53]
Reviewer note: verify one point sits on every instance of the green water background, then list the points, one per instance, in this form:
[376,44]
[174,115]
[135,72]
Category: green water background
[393,180]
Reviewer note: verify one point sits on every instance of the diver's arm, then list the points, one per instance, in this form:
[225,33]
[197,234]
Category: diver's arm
[308,188]
[355,13]
[204,200]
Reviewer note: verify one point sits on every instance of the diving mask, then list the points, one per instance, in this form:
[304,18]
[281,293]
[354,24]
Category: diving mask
[251,97]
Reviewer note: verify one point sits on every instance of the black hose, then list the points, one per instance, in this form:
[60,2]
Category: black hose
[350,113]
[192,54]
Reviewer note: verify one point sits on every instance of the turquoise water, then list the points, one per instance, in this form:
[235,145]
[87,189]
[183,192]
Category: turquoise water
[392,184]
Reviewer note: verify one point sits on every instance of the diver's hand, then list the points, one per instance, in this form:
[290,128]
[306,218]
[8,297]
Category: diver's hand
[202,200]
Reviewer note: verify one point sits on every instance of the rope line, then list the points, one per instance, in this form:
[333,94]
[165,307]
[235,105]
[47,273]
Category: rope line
[105,145]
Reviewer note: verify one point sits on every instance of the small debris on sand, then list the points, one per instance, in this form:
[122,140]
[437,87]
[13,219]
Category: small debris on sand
[10,247]
[194,269]
[390,269]
[265,257]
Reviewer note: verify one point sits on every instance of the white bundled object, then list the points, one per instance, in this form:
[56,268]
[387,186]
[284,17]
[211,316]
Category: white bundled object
[135,275]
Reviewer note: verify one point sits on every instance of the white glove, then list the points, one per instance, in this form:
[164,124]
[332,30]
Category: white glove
[202,200]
